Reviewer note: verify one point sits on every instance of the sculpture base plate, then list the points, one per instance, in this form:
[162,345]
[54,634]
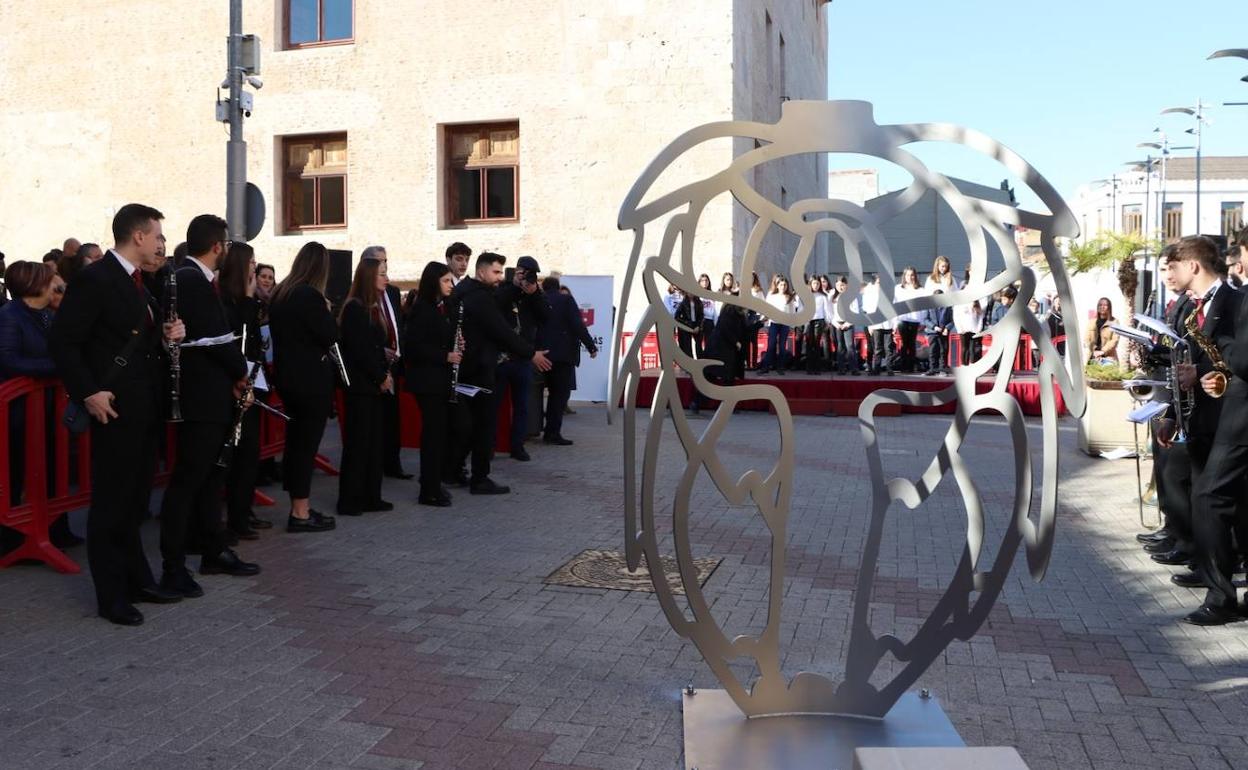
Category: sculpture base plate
[719,737]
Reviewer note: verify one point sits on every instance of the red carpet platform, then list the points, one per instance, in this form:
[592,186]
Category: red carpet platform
[842,394]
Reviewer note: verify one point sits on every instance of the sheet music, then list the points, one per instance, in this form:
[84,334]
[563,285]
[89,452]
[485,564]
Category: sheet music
[1158,327]
[1147,412]
[470,390]
[261,383]
[208,342]
[1132,334]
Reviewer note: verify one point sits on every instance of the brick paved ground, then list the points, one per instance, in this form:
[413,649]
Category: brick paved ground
[427,636]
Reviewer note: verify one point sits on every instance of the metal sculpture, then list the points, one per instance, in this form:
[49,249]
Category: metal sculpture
[838,127]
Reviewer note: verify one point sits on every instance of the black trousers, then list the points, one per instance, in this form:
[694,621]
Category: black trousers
[517,378]
[971,348]
[909,332]
[479,415]
[559,383]
[391,451]
[436,412]
[308,415]
[192,501]
[240,479]
[1217,484]
[123,459]
[359,475]
[816,345]
[846,350]
[686,341]
[881,349]
[1172,471]
[938,351]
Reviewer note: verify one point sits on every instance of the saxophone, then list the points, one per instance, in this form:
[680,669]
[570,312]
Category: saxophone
[1221,371]
[459,348]
[175,351]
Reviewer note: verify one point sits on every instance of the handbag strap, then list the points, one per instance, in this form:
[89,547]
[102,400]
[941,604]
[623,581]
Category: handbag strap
[122,359]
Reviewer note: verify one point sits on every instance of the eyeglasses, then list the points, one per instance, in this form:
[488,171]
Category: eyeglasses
[58,290]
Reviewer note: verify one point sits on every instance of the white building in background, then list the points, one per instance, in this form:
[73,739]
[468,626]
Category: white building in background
[514,127]
[856,185]
[1137,202]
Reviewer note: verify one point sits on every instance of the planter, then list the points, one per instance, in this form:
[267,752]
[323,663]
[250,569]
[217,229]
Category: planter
[1104,425]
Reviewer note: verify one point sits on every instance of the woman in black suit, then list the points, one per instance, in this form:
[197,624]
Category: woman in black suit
[304,331]
[364,339]
[237,282]
[430,357]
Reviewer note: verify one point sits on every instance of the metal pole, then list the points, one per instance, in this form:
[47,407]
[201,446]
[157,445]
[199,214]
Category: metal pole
[236,148]
[1200,119]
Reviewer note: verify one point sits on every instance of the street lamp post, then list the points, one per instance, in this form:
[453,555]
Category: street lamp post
[1236,53]
[1198,112]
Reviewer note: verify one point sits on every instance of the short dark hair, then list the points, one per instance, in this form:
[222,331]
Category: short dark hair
[28,279]
[1010,292]
[53,255]
[132,218]
[550,283]
[1200,249]
[457,249]
[69,264]
[490,258]
[204,231]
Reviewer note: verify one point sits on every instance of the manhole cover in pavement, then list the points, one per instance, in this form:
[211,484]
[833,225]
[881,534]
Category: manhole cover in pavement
[608,569]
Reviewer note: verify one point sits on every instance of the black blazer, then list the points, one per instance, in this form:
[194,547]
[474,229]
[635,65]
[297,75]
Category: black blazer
[208,374]
[430,335]
[245,313]
[564,331]
[1209,417]
[363,348]
[101,312]
[486,333]
[303,329]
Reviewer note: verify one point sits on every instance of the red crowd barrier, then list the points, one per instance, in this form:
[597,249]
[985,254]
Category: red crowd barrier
[41,404]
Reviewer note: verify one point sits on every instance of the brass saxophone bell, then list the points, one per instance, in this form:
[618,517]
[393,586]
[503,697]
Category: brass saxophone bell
[1219,385]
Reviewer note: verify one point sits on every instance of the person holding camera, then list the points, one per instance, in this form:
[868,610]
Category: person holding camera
[525,308]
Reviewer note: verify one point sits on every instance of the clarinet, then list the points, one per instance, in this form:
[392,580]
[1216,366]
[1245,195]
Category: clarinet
[458,348]
[175,352]
[244,402]
[336,354]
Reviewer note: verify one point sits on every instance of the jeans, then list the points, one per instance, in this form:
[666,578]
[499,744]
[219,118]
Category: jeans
[516,377]
[777,347]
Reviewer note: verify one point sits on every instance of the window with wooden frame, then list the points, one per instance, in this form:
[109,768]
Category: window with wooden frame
[315,188]
[318,22]
[1132,219]
[1232,217]
[482,173]
[1173,221]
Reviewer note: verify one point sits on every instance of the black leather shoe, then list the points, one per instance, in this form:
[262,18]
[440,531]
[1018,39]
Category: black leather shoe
[227,563]
[122,615]
[1172,557]
[1188,580]
[379,506]
[255,522]
[245,534]
[316,522]
[155,594]
[556,440]
[1213,616]
[1161,546]
[398,474]
[182,584]
[456,479]
[1152,537]
[488,487]
[441,500]
[520,455]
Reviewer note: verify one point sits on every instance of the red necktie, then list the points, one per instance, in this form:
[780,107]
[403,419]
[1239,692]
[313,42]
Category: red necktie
[1200,312]
[137,275]
[391,337]
[216,289]
[138,281]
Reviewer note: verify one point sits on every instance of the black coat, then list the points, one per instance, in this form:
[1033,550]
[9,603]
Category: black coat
[486,333]
[430,336]
[564,332]
[1227,416]
[727,339]
[245,313]
[101,311]
[363,348]
[303,330]
[525,312]
[208,374]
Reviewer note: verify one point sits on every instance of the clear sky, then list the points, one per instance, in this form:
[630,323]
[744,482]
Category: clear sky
[1070,85]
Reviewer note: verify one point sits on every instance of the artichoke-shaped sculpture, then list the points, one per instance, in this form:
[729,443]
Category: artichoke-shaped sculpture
[668,223]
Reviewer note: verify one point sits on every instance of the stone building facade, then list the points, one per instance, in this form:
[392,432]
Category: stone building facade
[363,131]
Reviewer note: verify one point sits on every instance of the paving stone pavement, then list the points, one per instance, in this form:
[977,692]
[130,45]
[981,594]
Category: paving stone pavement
[426,638]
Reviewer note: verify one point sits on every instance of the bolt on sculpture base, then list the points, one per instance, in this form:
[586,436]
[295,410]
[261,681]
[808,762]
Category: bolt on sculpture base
[719,737]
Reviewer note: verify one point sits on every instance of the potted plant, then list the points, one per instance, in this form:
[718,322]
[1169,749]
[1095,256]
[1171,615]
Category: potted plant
[1104,424]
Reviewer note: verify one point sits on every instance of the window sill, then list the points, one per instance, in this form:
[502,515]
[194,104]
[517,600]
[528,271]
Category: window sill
[476,223]
[318,44]
[313,229]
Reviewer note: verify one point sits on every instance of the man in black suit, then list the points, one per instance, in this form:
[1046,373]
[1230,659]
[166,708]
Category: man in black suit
[213,377]
[486,334]
[1218,429]
[106,340]
[562,335]
[391,451]
[525,308]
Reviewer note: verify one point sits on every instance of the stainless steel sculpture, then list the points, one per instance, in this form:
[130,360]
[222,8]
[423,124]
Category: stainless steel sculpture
[838,127]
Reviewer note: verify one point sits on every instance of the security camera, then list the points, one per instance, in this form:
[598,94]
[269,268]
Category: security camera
[255,82]
[224,83]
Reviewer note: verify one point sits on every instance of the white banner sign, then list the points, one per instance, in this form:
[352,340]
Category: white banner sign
[595,297]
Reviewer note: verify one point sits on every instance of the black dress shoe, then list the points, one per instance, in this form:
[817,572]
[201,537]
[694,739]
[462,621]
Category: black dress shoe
[1188,580]
[456,479]
[1152,537]
[227,563]
[440,500]
[182,584]
[488,487]
[155,594]
[245,534]
[1172,557]
[398,474]
[1213,616]
[1161,546]
[556,440]
[520,455]
[255,522]
[316,522]
[378,506]
[122,615]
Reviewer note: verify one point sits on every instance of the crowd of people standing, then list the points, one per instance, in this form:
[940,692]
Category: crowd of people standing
[209,338]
